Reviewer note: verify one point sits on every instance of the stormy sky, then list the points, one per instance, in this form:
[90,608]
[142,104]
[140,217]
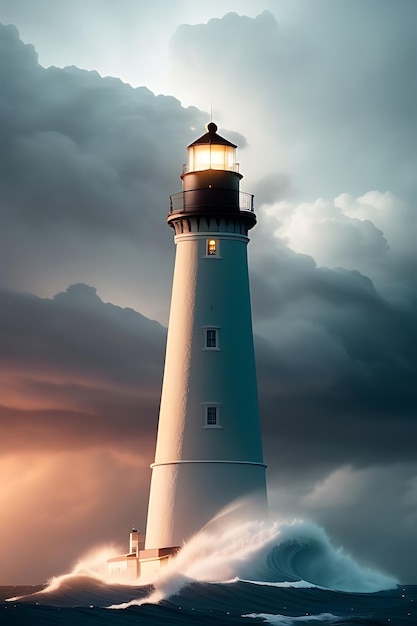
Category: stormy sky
[97,103]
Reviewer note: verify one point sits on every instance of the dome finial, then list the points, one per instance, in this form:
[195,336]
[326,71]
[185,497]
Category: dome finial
[212,128]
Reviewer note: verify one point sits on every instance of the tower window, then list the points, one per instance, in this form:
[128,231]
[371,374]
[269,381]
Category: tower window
[212,247]
[211,416]
[211,338]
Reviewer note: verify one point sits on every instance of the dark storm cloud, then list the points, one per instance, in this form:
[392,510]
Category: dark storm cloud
[336,361]
[77,331]
[82,150]
[332,84]
[77,372]
[87,165]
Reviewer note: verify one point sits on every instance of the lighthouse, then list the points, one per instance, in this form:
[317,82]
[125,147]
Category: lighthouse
[209,447]
[209,450]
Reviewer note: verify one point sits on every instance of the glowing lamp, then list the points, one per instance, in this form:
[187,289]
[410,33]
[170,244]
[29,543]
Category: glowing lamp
[211,152]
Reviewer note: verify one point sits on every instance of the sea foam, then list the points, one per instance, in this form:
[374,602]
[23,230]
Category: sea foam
[297,553]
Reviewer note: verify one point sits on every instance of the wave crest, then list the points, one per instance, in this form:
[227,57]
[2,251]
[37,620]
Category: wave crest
[278,553]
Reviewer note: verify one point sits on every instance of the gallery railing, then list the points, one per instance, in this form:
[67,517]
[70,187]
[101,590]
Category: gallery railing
[195,200]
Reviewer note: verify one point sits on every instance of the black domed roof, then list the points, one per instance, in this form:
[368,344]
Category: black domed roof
[212,137]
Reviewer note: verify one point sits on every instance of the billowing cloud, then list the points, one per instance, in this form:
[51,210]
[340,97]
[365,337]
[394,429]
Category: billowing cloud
[75,372]
[350,344]
[87,167]
[325,93]
[372,233]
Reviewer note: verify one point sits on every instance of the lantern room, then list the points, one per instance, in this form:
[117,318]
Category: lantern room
[211,152]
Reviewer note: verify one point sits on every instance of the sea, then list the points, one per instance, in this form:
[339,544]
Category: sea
[279,573]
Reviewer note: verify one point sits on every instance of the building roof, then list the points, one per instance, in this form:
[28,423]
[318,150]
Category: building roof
[212,137]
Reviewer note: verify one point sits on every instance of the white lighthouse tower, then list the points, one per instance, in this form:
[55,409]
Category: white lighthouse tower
[209,449]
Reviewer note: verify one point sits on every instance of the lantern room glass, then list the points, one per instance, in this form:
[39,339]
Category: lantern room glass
[211,157]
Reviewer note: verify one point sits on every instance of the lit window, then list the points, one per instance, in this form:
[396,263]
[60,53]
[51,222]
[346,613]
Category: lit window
[211,416]
[211,247]
[211,338]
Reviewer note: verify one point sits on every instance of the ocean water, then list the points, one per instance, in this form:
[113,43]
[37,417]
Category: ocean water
[255,573]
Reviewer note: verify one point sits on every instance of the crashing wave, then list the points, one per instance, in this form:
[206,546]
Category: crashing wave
[297,554]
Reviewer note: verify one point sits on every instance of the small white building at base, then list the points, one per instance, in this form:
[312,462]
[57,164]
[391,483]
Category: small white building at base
[139,562]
